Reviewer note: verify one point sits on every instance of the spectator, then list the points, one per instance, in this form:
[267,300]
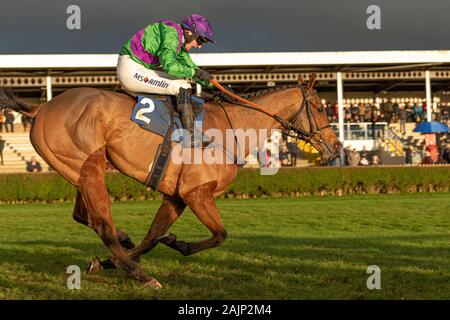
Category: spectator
[417,157]
[428,159]
[382,107]
[403,115]
[389,107]
[9,121]
[336,162]
[409,154]
[348,116]
[418,110]
[2,146]
[362,111]
[334,120]
[367,113]
[364,153]
[330,112]
[445,111]
[357,118]
[266,159]
[33,165]
[373,113]
[364,161]
[409,113]
[446,153]
[336,110]
[441,157]
[424,108]
[284,156]
[432,147]
[347,155]
[2,121]
[294,152]
[437,113]
[354,110]
[396,111]
[375,160]
[25,122]
[354,158]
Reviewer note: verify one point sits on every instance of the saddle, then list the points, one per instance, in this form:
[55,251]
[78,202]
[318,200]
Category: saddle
[158,114]
[155,113]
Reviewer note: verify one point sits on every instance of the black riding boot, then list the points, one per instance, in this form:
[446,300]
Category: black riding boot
[184,107]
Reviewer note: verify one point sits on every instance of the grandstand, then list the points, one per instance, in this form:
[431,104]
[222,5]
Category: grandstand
[344,78]
[18,150]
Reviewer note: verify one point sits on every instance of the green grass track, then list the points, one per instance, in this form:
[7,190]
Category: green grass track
[295,248]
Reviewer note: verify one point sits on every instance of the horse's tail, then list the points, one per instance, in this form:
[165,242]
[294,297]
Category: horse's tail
[8,100]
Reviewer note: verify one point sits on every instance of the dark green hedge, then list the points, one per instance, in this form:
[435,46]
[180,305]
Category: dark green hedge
[50,187]
[341,181]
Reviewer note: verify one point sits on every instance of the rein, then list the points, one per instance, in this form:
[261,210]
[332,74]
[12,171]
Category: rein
[288,124]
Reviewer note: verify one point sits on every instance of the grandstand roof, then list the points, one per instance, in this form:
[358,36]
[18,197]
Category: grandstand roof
[236,59]
[373,71]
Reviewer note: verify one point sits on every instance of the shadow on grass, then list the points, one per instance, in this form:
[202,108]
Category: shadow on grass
[399,250]
[246,267]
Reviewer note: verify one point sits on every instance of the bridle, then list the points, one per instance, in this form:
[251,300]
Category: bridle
[293,124]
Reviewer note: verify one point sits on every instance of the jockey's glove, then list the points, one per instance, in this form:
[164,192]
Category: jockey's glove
[202,75]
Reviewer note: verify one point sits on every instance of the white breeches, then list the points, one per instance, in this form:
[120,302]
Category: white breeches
[137,78]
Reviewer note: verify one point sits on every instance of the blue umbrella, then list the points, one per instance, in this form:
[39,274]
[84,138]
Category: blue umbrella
[431,127]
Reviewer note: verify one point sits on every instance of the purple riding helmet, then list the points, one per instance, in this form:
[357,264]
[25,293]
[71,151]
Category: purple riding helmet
[198,25]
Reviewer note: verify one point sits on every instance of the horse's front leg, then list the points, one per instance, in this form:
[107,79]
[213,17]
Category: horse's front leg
[201,201]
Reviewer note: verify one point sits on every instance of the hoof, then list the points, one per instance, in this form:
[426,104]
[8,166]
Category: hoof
[154,284]
[94,266]
[167,239]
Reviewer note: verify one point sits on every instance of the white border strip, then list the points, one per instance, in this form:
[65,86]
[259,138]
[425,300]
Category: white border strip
[52,61]
[323,58]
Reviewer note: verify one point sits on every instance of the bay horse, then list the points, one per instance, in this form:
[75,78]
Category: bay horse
[79,130]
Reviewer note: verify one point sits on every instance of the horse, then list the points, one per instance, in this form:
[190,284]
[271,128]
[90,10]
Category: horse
[78,131]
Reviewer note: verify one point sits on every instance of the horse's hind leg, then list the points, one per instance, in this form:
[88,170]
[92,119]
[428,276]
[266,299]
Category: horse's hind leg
[201,201]
[95,195]
[80,214]
[168,213]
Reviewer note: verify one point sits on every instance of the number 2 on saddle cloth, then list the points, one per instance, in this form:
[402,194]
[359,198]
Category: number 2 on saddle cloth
[156,114]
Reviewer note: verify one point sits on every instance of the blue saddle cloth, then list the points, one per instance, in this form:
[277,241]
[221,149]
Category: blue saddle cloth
[152,115]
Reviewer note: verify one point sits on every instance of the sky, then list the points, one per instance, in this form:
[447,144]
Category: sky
[39,26]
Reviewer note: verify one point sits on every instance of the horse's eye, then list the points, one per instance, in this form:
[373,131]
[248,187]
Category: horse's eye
[320,109]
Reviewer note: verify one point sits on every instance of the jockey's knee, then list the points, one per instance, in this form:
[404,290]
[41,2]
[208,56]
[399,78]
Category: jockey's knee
[180,84]
[126,84]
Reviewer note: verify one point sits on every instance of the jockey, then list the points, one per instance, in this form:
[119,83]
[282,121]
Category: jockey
[166,45]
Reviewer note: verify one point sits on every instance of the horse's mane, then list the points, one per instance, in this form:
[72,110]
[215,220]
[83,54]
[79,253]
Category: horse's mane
[266,91]
[214,98]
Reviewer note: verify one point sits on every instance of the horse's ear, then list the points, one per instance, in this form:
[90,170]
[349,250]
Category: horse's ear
[311,82]
[300,80]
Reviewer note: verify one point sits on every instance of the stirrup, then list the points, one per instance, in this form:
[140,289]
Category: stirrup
[196,144]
